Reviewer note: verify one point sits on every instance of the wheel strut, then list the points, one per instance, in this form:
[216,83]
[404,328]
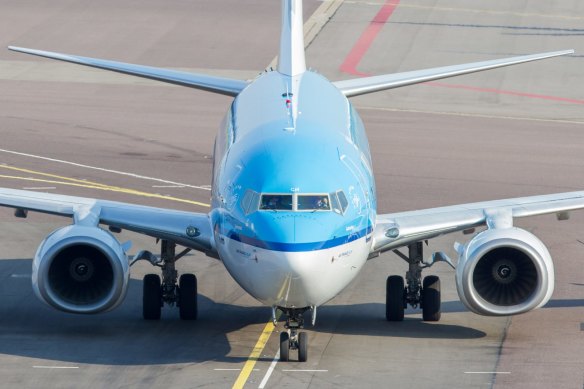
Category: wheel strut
[425,295]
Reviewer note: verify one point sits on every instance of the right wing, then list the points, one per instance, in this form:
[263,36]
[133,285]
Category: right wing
[361,86]
[400,229]
[188,229]
[221,85]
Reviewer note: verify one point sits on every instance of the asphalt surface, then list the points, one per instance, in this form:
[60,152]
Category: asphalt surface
[511,132]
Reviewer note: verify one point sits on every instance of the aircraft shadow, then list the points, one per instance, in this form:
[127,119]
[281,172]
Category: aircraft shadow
[369,320]
[31,329]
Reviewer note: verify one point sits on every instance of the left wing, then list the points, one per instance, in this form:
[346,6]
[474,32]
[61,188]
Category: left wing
[400,229]
[188,229]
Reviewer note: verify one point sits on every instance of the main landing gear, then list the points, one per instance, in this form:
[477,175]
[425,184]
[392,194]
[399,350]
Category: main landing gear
[157,292]
[292,339]
[424,294]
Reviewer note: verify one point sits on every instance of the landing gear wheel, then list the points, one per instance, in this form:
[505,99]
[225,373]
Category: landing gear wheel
[151,297]
[284,347]
[431,299]
[187,297]
[302,347]
[394,298]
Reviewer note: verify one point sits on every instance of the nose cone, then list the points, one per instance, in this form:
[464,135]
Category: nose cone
[299,258]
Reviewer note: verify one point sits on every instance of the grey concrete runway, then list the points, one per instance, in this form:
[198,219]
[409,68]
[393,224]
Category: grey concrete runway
[511,132]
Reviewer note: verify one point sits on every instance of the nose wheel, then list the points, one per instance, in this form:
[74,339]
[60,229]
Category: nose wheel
[292,339]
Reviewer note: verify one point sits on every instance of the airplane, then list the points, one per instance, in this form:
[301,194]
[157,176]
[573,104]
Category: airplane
[294,211]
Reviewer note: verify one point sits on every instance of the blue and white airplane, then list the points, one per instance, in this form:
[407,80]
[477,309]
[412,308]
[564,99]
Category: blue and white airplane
[294,211]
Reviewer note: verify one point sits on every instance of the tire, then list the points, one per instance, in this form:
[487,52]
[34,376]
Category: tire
[187,297]
[284,347]
[302,347]
[431,299]
[151,297]
[394,298]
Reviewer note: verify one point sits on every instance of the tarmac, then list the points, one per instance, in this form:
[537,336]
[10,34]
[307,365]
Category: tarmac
[510,132]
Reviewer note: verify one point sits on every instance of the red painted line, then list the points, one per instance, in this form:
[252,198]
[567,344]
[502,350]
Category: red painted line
[505,92]
[370,34]
[367,38]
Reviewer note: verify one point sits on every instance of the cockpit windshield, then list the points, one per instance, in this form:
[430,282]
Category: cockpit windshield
[295,202]
[279,202]
[318,202]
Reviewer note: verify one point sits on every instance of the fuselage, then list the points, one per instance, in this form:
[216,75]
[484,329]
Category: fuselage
[293,201]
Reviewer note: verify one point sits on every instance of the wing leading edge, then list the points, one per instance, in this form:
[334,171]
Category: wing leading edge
[188,229]
[400,229]
[221,85]
[361,86]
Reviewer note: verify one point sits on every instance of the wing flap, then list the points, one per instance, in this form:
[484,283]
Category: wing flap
[360,86]
[221,85]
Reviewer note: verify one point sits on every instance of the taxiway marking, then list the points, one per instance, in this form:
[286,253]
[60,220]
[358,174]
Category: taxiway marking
[473,10]
[254,356]
[477,115]
[366,39]
[358,51]
[103,169]
[306,370]
[89,185]
[55,367]
[270,371]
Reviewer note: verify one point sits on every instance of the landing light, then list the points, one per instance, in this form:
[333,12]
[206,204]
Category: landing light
[392,233]
[193,232]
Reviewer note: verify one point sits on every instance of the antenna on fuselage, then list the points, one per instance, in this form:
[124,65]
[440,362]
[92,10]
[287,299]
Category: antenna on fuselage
[291,61]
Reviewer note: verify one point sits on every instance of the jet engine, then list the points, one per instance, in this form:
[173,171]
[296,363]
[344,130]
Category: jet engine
[504,272]
[81,269]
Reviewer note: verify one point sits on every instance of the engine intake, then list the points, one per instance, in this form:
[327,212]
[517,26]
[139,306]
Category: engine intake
[81,269]
[504,272]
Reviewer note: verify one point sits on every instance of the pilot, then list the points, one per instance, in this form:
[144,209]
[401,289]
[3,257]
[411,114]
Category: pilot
[274,203]
[322,203]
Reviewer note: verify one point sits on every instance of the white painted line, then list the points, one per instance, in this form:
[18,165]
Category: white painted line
[305,370]
[21,275]
[487,372]
[168,186]
[270,371]
[103,170]
[55,367]
[40,188]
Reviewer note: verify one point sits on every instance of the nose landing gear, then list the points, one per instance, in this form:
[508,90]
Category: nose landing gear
[292,339]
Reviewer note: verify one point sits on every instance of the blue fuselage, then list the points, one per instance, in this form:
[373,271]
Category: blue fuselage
[297,140]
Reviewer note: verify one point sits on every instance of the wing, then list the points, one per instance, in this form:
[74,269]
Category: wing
[221,85]
[185,228]
[360,86]
[399,229]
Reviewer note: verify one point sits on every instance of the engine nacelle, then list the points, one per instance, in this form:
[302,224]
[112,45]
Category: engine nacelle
[504,272]
[81,269]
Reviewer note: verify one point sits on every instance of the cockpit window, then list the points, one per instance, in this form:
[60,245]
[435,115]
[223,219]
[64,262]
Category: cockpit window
[319,202]
[276,202]
[339,202]
[249,202]
[296,202]
[342,200]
